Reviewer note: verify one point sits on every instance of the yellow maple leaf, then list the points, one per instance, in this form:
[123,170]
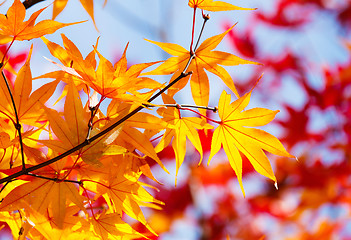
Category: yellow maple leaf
[180,128]
[13,26]
[131,136]
[235,134]
[214,6]
[204,58]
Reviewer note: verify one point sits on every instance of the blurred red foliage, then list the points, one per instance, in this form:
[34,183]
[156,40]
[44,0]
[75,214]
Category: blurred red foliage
[314,196]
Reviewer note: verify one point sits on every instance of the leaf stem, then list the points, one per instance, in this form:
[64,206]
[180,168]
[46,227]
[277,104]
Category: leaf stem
[5,54]
[185,106]
[89,201]
[191,110]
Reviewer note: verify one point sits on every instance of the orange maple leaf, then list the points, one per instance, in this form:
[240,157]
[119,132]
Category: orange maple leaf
[29,106]
[88,5]
[214,6]
[41,194]
[121,188]
[110,81]
[75,121]
[204,58]
[235,134]
[13,26]
[111,225]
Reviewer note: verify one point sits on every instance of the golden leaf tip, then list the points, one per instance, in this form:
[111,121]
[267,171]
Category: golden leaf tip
[276,185]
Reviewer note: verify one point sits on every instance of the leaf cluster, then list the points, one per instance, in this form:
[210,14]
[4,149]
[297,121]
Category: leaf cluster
[76,171]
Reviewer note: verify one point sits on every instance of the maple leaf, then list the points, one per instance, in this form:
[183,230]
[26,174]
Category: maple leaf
[111,226]
[13,26]
[235,134]
[110,81]
[75,121]
[122,190]
[179,128]
[29,106]
[43,226]
[131,136]
[42,193]
[59,5]
[204,58]
[214,6]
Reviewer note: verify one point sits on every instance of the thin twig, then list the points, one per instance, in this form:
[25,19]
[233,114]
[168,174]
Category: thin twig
[54,179]
[18,126]
[206,17]
[192,33]
[93,112]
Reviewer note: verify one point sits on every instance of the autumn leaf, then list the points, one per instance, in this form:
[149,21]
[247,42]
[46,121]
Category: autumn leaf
[111,226]
[110,81]
[13,26]
[76,121]
[204,58]
[214,6]
[131,136]
[29,105]
[42,193]
[59,5]
[122,190]
[179,129]
[235,134]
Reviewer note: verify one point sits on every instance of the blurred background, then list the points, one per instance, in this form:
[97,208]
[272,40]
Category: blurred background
[304,46]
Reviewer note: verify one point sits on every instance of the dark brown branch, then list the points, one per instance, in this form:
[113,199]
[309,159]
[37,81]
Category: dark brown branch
[17,124]
[29,3]
[55,179]
[88,141]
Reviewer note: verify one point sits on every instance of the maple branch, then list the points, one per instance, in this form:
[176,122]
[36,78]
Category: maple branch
[25,171]
[54,179]
[18,126]
[29,3]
